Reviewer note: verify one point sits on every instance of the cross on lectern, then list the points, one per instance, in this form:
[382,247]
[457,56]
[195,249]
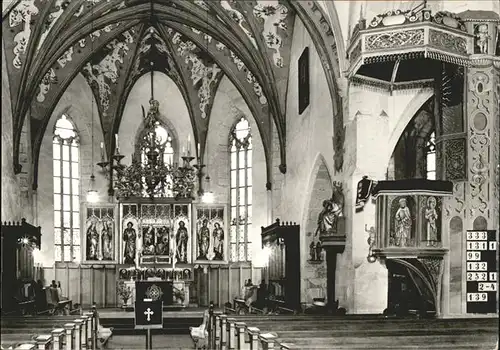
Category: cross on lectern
[148,313]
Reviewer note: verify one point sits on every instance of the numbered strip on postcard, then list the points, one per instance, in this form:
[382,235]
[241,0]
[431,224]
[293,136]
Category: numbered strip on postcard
[477,297]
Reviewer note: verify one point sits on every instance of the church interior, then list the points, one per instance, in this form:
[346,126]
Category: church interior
[277,171]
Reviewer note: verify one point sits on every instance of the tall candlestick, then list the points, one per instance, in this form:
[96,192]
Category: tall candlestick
[199,155]
[102,150]
[189,144]
[116,139]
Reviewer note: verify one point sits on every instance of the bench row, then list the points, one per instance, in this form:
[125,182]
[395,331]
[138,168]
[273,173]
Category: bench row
[231,333]
[79,334]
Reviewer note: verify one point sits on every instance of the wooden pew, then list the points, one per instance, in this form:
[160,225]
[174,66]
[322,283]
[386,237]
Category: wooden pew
[76,334]
[345,332]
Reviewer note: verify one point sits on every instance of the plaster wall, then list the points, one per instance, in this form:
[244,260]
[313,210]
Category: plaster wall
[309,136]
[11,209]
[228,107]
[78,103]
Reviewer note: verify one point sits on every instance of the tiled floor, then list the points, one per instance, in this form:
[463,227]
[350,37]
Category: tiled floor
[166,342]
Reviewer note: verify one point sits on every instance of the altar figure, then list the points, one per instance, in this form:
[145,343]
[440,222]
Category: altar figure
[107,242]
[203,240]
[218,235]
[129,236]
[181,243]
[92,242]
[402,224]
[163,240]
[149,243]
[431,217]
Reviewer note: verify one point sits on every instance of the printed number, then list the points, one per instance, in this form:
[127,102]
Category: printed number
[487,287]
[477,235]
[493,277]
[477,276]
[474,256]
[477,246]
[493,245]
[477,266]
[477,297]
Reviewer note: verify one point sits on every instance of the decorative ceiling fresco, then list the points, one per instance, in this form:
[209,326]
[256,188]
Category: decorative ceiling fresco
[113,43]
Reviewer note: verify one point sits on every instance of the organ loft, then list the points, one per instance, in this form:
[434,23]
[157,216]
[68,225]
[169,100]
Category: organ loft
[256,174]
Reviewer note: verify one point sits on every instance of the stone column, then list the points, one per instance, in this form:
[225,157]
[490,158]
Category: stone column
[364,284]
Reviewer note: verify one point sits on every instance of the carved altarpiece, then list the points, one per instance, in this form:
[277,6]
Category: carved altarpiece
[159,233]
[210,242]
[99,241]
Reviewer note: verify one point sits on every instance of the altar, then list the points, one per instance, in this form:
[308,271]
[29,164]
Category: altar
[172,293]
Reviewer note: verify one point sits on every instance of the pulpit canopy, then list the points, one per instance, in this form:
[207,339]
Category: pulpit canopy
[414,186]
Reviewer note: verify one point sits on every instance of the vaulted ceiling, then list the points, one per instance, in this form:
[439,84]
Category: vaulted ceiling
[112,43]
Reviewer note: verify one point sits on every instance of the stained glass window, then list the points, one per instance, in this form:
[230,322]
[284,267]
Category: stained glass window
[240,148]
[430,150]
[66,175]
[164,142]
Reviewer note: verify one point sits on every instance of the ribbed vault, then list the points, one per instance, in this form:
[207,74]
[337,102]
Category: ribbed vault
[113,43]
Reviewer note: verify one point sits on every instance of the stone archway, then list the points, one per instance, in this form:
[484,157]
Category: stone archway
[314,272]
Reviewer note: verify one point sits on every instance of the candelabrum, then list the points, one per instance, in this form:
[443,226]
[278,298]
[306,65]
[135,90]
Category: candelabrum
[153,177]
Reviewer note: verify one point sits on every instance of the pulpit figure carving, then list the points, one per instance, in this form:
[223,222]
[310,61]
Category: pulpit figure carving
[332,211]
[181,239]
[203,240]
[129,236]
[402,224]
[482,38]
[92,242]
[218,235]
[431,216]
[107,241]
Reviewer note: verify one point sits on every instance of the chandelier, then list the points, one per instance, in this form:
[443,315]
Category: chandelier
[152,176]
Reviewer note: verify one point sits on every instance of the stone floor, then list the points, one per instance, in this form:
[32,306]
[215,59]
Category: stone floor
[166,342]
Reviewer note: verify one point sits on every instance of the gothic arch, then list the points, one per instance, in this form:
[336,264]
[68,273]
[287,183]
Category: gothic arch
[319,188]
[409,112]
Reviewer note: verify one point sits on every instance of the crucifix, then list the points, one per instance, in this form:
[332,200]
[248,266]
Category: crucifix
[148,313]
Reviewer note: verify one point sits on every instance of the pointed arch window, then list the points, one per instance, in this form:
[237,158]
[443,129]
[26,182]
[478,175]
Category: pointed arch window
[165,147]
[66,173]
[430,153]
[240,143]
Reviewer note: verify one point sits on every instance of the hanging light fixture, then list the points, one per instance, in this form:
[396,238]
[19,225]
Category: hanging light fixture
[92,195]
[208,195]
[152,175]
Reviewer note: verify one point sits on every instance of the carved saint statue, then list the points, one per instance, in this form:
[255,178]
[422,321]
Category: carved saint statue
[218,235]
[181,242]
[163,241]
[431,217]
[129,236]
[203,240]
[482,38]
[149,243]
[402,224]
[107,242]
[332,210]
[92,242]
